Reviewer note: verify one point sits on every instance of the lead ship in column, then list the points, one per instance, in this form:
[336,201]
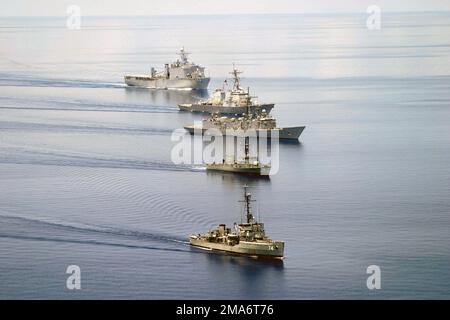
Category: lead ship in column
[248,238]
[181,74]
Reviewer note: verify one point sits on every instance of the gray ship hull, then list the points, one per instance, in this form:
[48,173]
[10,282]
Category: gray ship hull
[273,249]
[240,168]
[163,83]
[225,110]
[291,133]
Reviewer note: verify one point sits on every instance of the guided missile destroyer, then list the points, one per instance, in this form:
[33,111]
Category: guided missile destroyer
[236,101]
[181,74]
[248,238]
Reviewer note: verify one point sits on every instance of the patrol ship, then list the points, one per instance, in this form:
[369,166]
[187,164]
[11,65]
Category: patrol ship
[262,124]
[248,238]
[236,101]
[248,166]
[181,74]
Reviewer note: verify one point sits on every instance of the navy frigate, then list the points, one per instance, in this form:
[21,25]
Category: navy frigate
[248,166]
[247,238]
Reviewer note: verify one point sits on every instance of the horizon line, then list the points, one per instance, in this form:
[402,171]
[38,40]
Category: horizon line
[230,14]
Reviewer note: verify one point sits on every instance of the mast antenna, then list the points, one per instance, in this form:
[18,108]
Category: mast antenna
[236,79]
[248,101]
[247,205]
[183,55]
[247,151]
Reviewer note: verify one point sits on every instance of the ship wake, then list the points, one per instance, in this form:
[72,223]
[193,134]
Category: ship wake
[41,229]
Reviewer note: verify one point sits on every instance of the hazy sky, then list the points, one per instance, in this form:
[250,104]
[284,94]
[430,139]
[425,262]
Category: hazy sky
[155,7]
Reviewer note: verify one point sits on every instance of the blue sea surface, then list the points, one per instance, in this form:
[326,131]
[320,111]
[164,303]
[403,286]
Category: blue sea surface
[86,176]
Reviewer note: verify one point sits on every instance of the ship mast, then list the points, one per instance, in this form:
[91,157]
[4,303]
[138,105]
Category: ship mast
[236,79]
[183,55]
[248,101]
[247,150]
[248,208]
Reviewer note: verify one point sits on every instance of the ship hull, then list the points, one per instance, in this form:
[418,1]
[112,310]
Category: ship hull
[225,110]
[290,133]
[163,83]
[237,168]
[273,249]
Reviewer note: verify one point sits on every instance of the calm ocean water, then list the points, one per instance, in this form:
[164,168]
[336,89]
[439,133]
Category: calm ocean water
[86,176]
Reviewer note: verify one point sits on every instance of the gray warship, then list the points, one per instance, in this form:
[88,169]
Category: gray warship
[235,101]
[262,123]
[248,238]
[248,166]
[180,74]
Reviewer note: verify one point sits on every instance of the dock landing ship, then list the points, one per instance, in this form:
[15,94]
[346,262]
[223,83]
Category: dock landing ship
[181,74]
